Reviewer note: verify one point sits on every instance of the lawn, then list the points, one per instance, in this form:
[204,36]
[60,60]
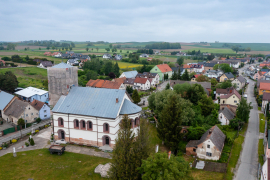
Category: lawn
[262,122]
[198,174]
[40,164]
[260,151]
[212,50]
[28,76]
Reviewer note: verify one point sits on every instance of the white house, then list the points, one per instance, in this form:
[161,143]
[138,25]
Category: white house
[58,54]
[129,74]
[107,56]
[142,84]
[42,108]
[45,64]
[225,115]
[239,82]
[73,62]
[91,116]
[144,55]
[152,77]
[118,57]
[29,94]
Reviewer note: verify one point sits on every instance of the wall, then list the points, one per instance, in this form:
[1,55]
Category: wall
[43,114]
[238,84]
[264,171]
[156,70]
[223,119]
[261,91]
[202,149]
[230,100]
[189,151]
[30,115]
[224,77]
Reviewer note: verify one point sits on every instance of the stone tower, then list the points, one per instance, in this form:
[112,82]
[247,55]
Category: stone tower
[61,78]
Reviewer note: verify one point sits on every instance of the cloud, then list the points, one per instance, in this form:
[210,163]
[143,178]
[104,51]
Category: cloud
[121,20]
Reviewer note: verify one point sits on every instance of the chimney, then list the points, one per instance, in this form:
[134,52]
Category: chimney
[230,91]
[210,131]
[116,100]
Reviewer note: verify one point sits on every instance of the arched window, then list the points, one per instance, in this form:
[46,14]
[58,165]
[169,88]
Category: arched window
[106,128]
[76,124]
[82,124]
[60,122]
[90,126]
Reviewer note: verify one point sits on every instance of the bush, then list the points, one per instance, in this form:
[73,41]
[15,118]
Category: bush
[36,131]
[1,148]
[38,120]
[32,143]
[14,140]
[26,144]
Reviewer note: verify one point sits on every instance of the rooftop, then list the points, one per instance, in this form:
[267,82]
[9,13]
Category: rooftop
[31,91]
[62,65]
[130,74]
[164,68]
[16,108]
[5,99]
[100,83]
[264,86]
[37,104]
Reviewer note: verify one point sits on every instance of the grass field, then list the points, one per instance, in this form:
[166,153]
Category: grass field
[212,50]
[40,164]
[28,76]
[206,175]
[260,151]
[262,122]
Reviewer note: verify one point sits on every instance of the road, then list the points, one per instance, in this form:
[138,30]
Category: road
[248,163]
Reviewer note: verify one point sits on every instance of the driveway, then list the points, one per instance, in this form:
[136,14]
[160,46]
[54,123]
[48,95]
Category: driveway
[248,162]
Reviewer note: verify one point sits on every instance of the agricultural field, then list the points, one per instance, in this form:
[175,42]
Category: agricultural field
[212,50]
[29,76]
[40,164]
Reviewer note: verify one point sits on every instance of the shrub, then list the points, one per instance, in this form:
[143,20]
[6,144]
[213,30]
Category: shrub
[32,143]
[1,148]
[14,140]
[27,144]
[38,120]
[36,131]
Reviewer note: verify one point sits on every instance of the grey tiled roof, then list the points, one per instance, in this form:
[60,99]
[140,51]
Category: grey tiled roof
[16,108]
[97,102]
[5,98]
[241,79]
[62,65]
[129,108]
[229,75]
[209,64]
[227,113]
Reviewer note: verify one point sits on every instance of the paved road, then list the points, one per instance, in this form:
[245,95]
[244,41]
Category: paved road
[248,164]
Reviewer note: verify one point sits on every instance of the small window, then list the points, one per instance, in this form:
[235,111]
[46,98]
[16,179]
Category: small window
[194,149]
[233,96]
[26,115]
[90,125]
[235,101]
[44,110]
[29,108]
[83,124]
[208,154]
[208,146]
[37,113]
[45,115]
[32,114]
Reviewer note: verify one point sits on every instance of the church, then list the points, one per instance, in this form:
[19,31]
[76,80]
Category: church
[91,116]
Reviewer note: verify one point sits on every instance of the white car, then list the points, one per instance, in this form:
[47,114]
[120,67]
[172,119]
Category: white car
[245,95]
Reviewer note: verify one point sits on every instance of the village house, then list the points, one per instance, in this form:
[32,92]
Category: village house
[153,77]
[264,87]
[129,74]
[209,66]
[2,62]
[29,94]
[144,55]
[194,77]
[100,83]
[57,54]
[265,101]
[233,98]
[91,116]
[42,108]
[240,82]
[6,100]
[47,54]
[73,62]
[19,109]
[210,145]
[196,68]
[258,75]
[118,57]
[178,70]
[222,92]
[107,56]
[226,76]
[141,84]
[129,82]
[213,73]
[206,85]
[38,61]
[162,69]
[45,64]
[225,115]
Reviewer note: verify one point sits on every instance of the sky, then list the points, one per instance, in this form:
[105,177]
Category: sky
[141,20]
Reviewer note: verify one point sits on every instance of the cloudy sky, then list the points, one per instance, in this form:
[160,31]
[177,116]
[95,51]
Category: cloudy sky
[140,20]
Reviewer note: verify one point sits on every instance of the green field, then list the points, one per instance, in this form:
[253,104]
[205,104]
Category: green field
[28,76]
[212,50]
[40,164]
[260,151]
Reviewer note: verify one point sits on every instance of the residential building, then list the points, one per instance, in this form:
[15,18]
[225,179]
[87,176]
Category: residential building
[100,83]
[47,54]
[240,82]
[129,82]
[232,98]
[129,74]
[153,77]
[225,115]
[91,116]
[107,56]
[144,55]
[194,77]
[45,64]
[118,57]
[6,100]
[43,109]
[162,69]
[29,94]
[73,62]
[265,101]
[57,54]
[226,76]
[196,68]
[258,75]
[142,84]
[209,66]
[213,73]
[178,69]
[264,87]
[210,145]
[19,109]
[222,92]
[3,62]
[206,85]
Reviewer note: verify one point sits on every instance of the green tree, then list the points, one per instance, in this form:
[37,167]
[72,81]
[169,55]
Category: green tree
[39,48]
[107,67]
[116,70]
[32,143]
[129,89]
[27,58]
[195,93]
[110,45]
[159,167]
[167,86]
[107,49]
[38,120]
[180,60]
[174,76]
[243,110]
[202,78]
[87,49]
[48,48]
[21,122]
[70,48]
[185,76]
[207,105]
[91,75]
[136,97]
[236,123]
[97,49]
[8,82]
[122,166]
[224,85]
[181,88]
[72,44]
[174,112]
[224,67]
[53,48]
[195,133]
[235,48]
[213,81]
[11,46]
[45,84]
[63,48]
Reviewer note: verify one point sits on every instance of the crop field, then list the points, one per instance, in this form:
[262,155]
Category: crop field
[28,76]
[212,50]
[126,65]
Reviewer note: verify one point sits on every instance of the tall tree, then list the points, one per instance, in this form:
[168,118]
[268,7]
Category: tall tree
[167,86]
[116,70]
[202,78]
[195,93]
[136,97]
[87,49]
[185,76]
[180,60]
[8,82]
[213,81]
[122,157]
[243,110]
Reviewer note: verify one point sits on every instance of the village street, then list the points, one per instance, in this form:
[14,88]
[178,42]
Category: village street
[248,162]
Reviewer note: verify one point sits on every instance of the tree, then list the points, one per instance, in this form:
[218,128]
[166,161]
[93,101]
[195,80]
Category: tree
[53,48]
[129,89]
[48,48]
[235,48]
[243,110]
[213,81]
[70,48]
[72,44]
[27,58]
[21,124]
[202,78]
[136,97]
[181,88]
[107,49]
[8,82]
[195,133]
[158,166]
[45,84]
[224,67]
[38,120]
[185,76]
[180,60]
[122,155]
[207,105]
[236,123]
[194,93]
[167,86]
[107,67]
[32,143]
[110,45]
[91,75]
[116,70]
[111,75]
[174,76]
[87,49]
[11,46]
[174,112]
[97,49]
[39,48]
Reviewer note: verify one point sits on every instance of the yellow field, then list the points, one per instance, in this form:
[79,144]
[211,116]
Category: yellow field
[123,65]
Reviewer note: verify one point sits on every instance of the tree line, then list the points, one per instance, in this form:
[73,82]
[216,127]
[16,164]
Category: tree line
[146,51]
[163,45]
